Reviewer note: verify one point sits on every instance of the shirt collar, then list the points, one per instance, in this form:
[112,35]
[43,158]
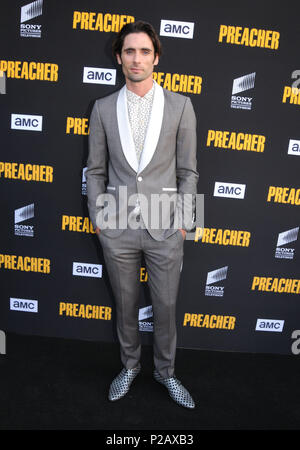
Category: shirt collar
[134,98]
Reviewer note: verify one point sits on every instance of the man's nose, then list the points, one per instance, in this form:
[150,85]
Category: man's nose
[137,57]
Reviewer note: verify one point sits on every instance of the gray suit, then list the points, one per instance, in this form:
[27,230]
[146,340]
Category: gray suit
[167,166]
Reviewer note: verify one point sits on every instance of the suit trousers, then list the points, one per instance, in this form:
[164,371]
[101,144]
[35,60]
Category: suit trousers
[163,259]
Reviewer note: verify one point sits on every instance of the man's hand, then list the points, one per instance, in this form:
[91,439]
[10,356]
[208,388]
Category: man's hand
[97,230]
[183,232]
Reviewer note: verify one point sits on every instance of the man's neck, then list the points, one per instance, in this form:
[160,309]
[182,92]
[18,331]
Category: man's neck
[139,88]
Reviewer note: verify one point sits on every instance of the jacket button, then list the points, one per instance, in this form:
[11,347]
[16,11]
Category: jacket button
[140,178]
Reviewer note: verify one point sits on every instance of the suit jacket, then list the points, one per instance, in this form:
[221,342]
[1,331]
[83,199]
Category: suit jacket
[167,165]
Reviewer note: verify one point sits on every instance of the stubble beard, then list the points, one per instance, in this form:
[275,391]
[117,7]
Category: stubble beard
[136,78]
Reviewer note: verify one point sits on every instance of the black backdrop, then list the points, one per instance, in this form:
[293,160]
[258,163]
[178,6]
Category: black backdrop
[44,303]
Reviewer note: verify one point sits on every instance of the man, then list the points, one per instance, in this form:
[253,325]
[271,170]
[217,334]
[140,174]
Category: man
[143,142]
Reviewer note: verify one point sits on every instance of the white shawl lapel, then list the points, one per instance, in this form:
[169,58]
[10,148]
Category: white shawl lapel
[125,130]
[153,131]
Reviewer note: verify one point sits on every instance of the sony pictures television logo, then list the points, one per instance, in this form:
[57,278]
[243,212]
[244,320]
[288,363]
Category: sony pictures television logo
[144,314]
[22,215]
[2,343]
[213,277]
[285,238]
[83,182]
[242,84]
[29,12]
[2,82]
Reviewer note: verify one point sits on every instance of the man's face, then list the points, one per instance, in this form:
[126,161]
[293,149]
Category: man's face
[137,57]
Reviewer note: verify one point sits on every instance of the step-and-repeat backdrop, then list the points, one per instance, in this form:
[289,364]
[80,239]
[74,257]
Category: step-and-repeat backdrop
[240,66]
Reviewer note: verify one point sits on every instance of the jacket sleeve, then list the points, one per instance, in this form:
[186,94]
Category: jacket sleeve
[96,172]
[186,167]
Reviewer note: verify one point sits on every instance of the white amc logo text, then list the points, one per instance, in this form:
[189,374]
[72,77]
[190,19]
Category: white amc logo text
[230,190]
[173,28]
[23,304]
[87,270]
[269,325]
[99,76]
[26,122]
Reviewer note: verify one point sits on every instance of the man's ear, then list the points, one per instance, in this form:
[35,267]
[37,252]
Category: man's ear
[119,58]
[156,60]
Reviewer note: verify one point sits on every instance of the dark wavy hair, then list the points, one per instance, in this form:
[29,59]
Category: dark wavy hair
[136,27]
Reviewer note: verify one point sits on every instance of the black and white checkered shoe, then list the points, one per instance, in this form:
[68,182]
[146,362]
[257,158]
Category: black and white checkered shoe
[177,392]
[121,384]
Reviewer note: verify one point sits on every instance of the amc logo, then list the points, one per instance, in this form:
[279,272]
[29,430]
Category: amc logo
[230,190]
[294,147]
[269,325]
[26,122]
[99,76]
[173,28]
[87,270]
[22,304]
